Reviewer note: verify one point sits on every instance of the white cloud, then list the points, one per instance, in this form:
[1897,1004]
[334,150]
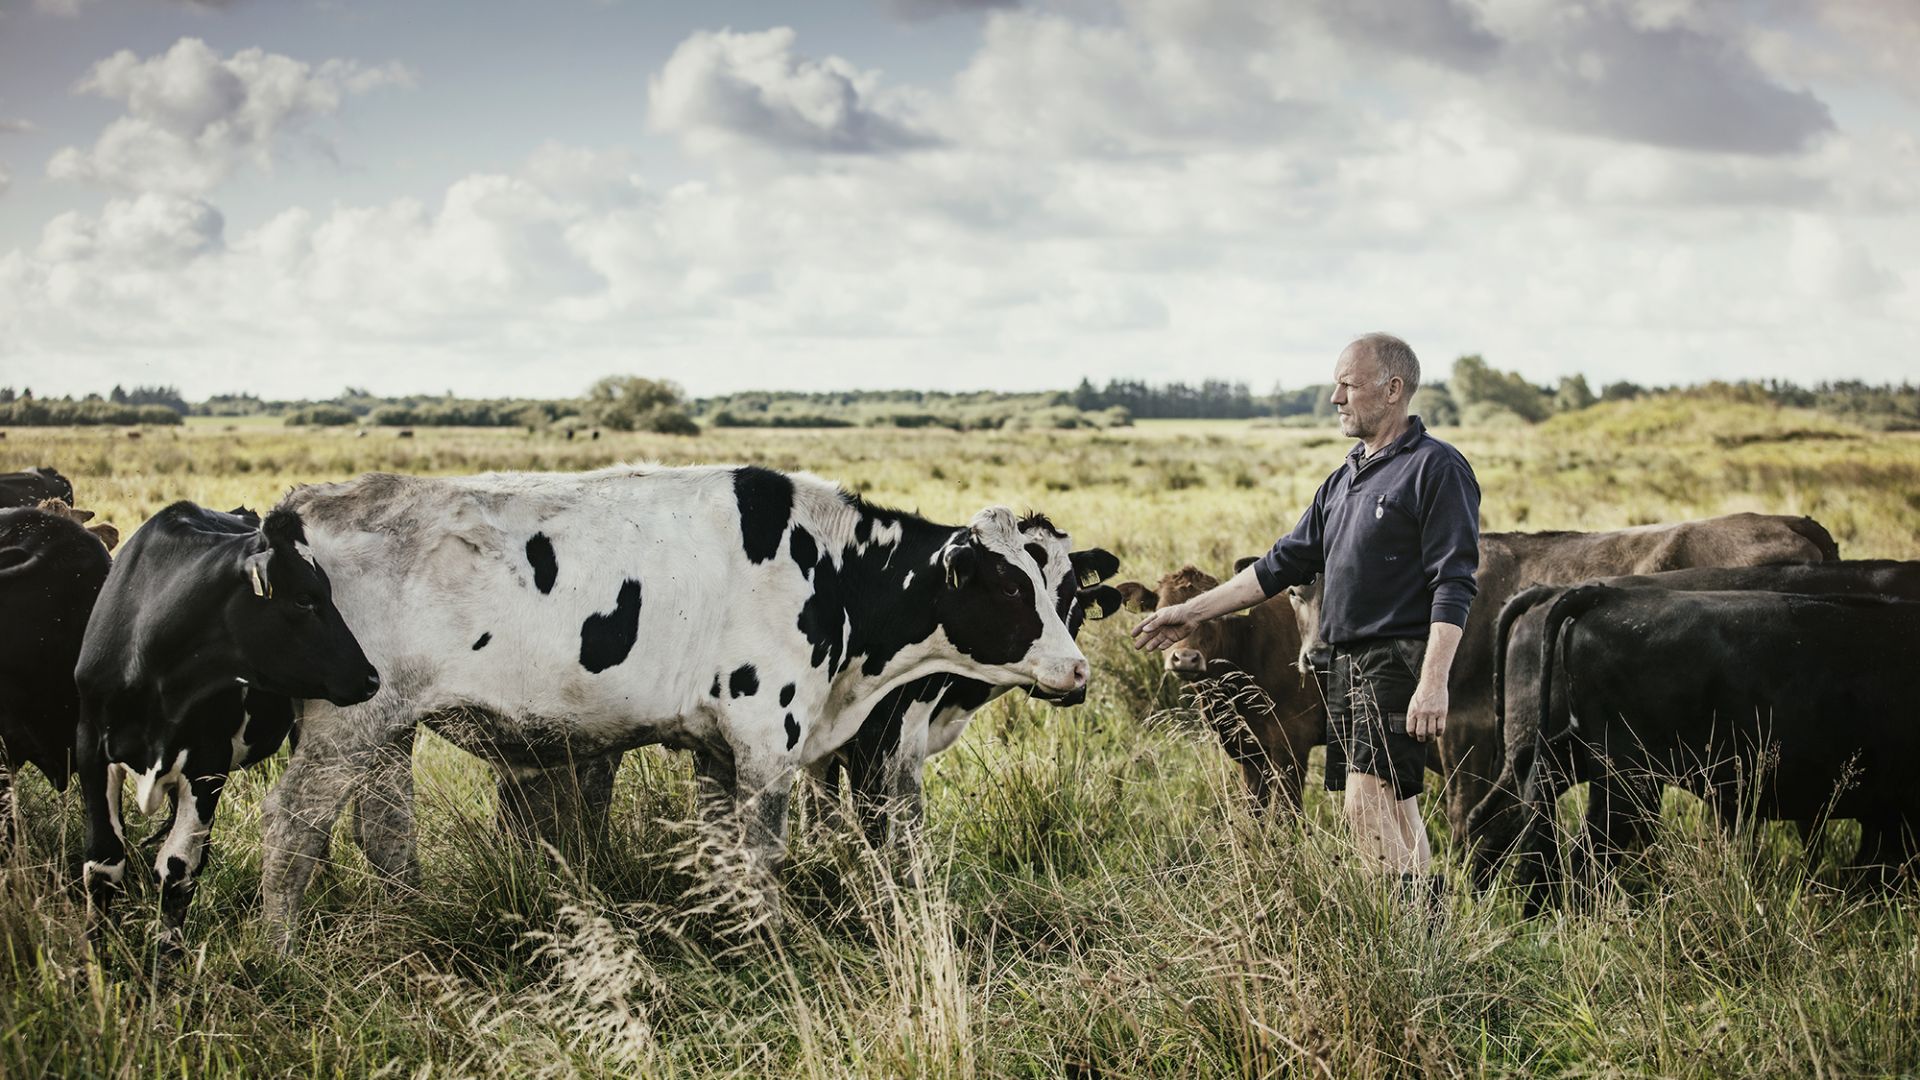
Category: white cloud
[724,89]
[1826,265]
[194,117]
[16,126]
[1173,189]
[6,180]
[64,8]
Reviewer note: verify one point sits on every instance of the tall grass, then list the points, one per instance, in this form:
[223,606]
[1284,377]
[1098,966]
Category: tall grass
[1090,897]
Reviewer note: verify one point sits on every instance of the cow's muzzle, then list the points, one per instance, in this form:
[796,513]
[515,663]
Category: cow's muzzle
[1061,676]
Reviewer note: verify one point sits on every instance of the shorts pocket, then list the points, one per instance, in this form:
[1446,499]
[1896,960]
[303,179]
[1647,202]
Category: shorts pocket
[1412,653]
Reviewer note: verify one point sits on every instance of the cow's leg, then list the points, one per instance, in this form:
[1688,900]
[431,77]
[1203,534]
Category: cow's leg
[181,856]
[903,777]
[1622,806]
[383,813]
[713,782]
[762,786]
[300,811]
[1887,847]
[556,805]
[104,873]
[1471,760]
[9,830]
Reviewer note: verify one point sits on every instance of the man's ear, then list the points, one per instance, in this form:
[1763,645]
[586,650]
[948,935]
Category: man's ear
[1138,596]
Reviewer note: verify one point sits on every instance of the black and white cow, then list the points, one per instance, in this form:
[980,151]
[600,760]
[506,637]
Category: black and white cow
[884,760]
[206,626]
[750,616]
[33,486]
[884,763]
[51,571]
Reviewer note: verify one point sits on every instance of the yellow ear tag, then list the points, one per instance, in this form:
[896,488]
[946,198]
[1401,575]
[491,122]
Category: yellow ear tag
[259,588]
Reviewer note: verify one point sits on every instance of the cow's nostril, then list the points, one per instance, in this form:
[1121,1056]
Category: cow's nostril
[373,682]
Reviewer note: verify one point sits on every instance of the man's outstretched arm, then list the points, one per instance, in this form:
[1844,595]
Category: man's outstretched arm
[1170,624]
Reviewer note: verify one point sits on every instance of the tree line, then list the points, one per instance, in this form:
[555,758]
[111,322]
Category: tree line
[1474,393]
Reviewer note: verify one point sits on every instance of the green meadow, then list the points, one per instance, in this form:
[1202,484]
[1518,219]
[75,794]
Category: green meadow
[1091,897]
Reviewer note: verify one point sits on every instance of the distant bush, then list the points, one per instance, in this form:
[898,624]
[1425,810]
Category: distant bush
[726,418]
[321,416]
[60,412]
[631,403]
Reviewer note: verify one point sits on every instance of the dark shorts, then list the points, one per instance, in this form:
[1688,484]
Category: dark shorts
[1368,689]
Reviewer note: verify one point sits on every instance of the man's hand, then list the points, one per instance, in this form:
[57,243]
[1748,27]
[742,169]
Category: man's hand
[1427,712]
[1164,627]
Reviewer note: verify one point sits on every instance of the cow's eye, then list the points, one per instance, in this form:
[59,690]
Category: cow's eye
[305,603]
[1010,587]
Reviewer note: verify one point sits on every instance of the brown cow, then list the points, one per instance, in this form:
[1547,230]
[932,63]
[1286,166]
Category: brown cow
[1267,734]
[1472,750]
[103,532]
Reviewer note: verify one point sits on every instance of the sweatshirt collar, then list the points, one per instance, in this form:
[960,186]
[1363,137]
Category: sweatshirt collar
[1358,458]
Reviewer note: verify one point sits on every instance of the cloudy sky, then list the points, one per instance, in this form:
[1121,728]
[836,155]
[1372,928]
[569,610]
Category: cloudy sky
[288,196]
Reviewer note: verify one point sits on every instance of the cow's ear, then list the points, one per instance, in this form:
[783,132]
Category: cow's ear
[960,560]
[1100,601]
[1244,561]
[1094,565]
[1137,596]
[258,579]
[106,534]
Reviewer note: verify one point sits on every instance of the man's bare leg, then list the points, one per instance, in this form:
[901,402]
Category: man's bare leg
[1390,832]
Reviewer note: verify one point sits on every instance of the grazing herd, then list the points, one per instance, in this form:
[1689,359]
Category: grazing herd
[772,624]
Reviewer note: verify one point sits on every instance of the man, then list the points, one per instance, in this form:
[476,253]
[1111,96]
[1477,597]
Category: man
[1395,531]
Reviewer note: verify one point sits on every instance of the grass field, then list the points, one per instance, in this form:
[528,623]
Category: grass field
[1093,901]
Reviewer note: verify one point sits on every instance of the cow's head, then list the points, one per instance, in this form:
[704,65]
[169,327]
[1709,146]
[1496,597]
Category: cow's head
[58,487]
[1306,613]
[291,639]
[103,532]
[1073,579]
[1202,652]
[1001,608]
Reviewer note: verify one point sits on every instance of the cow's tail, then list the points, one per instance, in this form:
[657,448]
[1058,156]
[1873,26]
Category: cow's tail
[1817,535]
[1537,842]
[1523,602]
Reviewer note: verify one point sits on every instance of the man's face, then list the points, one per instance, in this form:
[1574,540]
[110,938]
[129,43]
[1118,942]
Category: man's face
[1364,404]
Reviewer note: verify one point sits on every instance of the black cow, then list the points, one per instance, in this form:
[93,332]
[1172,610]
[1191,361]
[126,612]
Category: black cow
[1516,674]
[51,570]
[206,626]
[1810,697]
[31,487]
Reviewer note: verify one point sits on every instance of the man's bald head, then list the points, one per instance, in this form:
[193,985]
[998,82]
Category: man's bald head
[1391,358]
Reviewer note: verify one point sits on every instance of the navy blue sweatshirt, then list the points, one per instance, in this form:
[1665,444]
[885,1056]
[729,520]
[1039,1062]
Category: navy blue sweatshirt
[1397,537]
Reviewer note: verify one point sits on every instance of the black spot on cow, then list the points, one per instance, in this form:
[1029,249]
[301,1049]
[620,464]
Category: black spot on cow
[793,732]
[606,638]
[482,643]
[177,866]
[714,690]
[801,546]
[1039,555]
[786,695]
[540,557]
[744,682]
[868,605]
[765,498]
